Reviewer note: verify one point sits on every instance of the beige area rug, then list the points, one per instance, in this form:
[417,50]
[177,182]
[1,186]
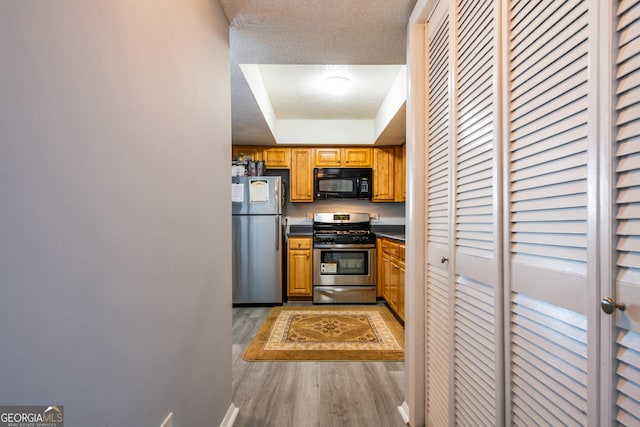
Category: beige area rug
[328,333]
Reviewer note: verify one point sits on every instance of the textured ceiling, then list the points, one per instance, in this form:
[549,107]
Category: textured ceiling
[310,32]
[297,91]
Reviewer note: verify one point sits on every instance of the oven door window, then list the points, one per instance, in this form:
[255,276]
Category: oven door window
[344,263]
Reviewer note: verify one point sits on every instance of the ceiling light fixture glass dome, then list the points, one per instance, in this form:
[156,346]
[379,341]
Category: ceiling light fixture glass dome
[337,85]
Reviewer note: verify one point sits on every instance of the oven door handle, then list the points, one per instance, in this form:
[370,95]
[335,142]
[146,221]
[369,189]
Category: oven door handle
[344,246]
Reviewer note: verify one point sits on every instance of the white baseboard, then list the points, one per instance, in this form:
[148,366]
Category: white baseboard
[230,416]
[404,413]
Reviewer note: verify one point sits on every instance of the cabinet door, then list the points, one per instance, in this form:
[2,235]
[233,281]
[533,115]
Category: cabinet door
[389,250]
[383,174]
[400,193]
[401,275]
[327,157]
[379,268]
[277,157]
[394,281]
[386,272]
[356,157]
[299,273]
[301,175]
[247,150]
[299,266]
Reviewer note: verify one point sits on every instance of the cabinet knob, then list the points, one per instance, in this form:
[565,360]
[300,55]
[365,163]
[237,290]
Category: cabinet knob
[444,259]
[609,305]
[308,194]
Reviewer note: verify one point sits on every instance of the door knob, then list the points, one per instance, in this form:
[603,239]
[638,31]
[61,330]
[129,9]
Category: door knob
[444,259]
[609,305]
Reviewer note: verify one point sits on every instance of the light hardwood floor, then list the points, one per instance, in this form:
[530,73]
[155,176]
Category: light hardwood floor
[306,394]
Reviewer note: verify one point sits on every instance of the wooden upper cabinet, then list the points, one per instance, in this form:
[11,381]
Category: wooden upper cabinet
[301,189]
[327,157]
[388,163]
[356,157]
[252,151]
[346,157]
[400,187]
[383,174]
[277,157]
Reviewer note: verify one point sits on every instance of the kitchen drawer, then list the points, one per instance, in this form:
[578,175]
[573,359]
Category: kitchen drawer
[299,243]
[389,247]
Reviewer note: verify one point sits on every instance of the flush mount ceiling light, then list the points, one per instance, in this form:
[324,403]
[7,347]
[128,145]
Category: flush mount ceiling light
[337,85]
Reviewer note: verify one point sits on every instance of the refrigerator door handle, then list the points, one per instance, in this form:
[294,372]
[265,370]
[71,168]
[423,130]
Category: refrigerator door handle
[278,231]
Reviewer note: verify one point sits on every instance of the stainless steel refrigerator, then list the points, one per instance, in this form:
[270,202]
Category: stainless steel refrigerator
[257,239]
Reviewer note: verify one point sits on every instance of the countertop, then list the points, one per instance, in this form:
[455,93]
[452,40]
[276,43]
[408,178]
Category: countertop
[390,235]
[300,230]
[394,232]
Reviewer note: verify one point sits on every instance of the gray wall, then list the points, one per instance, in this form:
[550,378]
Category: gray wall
[114,228]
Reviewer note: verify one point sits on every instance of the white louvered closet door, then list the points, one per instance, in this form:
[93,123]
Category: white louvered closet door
[478,370]
[464,330]
[550,209]
[627,214]
[438,128]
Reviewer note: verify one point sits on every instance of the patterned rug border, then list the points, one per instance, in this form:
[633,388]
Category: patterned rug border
[256,349]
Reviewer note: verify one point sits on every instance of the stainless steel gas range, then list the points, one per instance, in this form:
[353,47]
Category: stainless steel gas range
[344,258]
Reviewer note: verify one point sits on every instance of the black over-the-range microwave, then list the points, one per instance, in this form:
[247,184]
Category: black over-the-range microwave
[343,183]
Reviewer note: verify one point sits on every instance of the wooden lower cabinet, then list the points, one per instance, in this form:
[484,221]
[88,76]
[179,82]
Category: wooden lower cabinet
[299,267]
[379,269]
[392,274]
[396,286]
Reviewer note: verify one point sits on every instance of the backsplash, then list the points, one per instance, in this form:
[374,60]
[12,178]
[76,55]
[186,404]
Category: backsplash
[301,213]
[387,213]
